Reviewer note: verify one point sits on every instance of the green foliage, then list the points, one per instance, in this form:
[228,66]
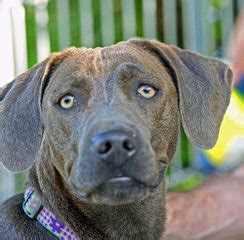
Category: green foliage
[185,150]
[97,28]
[31,34]
[139,18]
[118,23]
[20,179]
[75,20]
[189,182]
[220,3]
[52,25]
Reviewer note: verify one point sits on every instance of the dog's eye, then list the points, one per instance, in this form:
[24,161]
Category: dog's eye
[68,101]
[147,91]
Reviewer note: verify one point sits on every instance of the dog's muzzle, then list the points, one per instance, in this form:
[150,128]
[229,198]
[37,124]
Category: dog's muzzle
[118,166]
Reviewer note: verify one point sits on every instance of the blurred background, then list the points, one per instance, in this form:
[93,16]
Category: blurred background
[31,29]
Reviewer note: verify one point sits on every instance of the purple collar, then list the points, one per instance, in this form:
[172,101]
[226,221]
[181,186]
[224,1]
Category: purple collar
[34,209]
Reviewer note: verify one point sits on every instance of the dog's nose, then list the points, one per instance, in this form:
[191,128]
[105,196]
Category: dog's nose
[115,146]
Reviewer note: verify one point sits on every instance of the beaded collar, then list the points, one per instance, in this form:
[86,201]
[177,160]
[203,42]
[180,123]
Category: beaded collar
[34,209]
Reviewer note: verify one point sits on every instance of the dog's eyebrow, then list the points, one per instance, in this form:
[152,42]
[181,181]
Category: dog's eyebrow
[80,79]
[75,82]
[129,68]
[123,72]
[78,82]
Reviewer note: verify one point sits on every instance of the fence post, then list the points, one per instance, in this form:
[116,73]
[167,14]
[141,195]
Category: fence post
[42,35]
[149,19]
[86,29]
[107,22]
[63,14]
[129,22]
[170,22]
[227,21]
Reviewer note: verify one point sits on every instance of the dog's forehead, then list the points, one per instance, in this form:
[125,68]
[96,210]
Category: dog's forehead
[100,62]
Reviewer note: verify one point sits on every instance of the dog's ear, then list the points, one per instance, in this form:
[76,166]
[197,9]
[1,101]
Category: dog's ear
[20,119]
[204,89]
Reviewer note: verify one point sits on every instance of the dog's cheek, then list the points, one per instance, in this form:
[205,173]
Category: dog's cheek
[60,138]
[165,118]
[172,115]
[59,131]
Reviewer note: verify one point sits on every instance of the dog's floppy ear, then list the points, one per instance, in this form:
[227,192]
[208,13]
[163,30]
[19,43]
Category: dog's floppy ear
[20,119]
[204,88]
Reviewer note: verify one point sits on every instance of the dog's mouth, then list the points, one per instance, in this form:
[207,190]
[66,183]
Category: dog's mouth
[120,190]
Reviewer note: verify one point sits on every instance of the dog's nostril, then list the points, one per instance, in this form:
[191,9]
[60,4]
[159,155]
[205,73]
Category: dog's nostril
[104,148]
[128,145]
[114,147]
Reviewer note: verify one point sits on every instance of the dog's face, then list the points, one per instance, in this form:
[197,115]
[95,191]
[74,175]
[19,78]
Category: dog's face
[110,116]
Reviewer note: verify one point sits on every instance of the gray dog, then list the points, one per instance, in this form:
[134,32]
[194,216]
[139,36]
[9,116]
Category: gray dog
[98,128]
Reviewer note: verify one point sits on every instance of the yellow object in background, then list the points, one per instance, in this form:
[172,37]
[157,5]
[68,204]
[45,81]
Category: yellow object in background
[230,145]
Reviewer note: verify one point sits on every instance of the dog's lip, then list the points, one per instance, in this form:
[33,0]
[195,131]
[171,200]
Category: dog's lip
[120,190]
[119,179]
[118,182]
[114,182]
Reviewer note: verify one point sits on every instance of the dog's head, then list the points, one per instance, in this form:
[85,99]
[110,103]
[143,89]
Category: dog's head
[110,116]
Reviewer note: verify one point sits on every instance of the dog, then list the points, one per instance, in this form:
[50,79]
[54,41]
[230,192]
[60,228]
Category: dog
[98,128]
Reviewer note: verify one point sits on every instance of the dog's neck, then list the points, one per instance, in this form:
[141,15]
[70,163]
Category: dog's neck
[140,220]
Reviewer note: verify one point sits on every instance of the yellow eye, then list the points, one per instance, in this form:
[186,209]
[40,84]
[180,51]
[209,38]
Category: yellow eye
[68,101]
[147,91]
